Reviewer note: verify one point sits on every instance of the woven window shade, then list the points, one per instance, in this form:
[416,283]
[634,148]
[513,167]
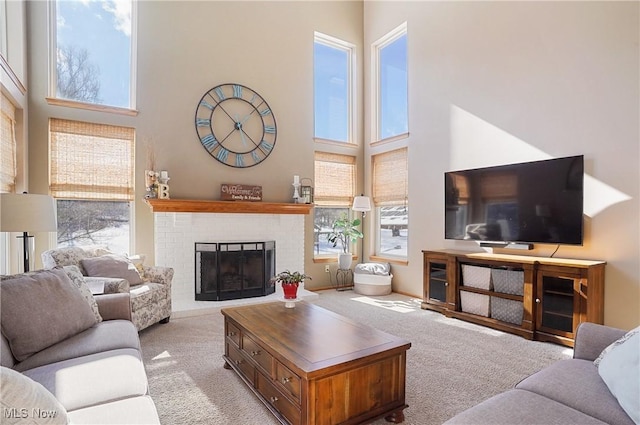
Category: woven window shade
[335,178]
[390,178]
[91,161]
[8,145]
[497,186]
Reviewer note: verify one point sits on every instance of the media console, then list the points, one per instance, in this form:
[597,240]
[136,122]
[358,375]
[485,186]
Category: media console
[538,298]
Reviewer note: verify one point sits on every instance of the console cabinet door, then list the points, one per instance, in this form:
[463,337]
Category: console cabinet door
[561,302]
[438,282]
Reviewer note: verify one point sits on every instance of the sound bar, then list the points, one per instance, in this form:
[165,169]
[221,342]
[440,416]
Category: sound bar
[507,245]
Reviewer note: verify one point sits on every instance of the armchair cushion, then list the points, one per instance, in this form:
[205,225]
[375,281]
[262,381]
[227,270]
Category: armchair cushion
[112,265]
[47,293]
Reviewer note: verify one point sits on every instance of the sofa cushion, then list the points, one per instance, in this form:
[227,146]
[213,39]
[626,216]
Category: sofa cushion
[576,383]
[25,401]
[94,379]
[130,411]
[521,407]
[619,368]
[104,336]
[76,277]
[40,309]
[112,265]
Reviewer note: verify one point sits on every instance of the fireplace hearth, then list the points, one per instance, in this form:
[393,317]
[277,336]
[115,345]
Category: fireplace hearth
[232,270]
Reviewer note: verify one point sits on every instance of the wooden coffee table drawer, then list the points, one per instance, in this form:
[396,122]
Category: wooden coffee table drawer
[233,333]
[238,360]
[289,381]
[257,354]
[277,400]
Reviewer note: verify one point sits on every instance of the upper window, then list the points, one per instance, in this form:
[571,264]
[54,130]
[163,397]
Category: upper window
[390,54]
[333,88]
[92,52]
[335,180]
[92,178]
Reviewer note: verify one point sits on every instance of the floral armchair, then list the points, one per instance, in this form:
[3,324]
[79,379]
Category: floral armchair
[149,287]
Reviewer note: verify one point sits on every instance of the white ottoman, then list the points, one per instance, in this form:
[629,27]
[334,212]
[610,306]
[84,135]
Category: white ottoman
[372,279]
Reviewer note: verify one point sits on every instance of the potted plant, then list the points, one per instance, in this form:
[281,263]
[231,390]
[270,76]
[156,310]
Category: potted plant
[290,282]
[344,231]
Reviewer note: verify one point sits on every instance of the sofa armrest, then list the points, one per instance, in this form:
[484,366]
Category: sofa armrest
[114,306]
[592,338]
[158,274]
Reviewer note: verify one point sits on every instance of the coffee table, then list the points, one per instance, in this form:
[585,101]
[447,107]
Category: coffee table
[309,365]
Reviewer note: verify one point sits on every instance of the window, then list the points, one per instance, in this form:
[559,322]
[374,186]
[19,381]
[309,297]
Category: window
[390,194]
[92,51]
[333,88]
[390,54]
[92,178]
[335,179]
[8,145]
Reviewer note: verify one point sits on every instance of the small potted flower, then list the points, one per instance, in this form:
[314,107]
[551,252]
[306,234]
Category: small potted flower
[290,282]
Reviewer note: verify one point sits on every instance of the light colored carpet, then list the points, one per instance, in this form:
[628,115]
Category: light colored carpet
[452,364]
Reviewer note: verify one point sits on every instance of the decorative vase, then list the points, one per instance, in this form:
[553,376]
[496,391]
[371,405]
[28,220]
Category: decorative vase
[290,290]
[344,261]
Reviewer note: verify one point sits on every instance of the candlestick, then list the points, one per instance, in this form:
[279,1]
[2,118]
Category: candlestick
[296,179]
[296,193]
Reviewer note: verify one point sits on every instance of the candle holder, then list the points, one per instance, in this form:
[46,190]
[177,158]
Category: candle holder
[296,192]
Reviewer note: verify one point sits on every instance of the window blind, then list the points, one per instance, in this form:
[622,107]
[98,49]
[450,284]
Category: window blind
[91,161]
[8,145]
[390,178]
[335,177]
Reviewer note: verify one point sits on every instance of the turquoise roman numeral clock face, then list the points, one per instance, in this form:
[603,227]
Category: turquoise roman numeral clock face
[236,125]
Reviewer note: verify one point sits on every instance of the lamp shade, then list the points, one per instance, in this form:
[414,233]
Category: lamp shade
[27,213]
[361,203]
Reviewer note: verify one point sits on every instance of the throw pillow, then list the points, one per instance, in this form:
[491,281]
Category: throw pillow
[77,278]
[619,368]
[112,265]
[24,400]
[40,309]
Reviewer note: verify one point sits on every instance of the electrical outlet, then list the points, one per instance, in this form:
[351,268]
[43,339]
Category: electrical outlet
[326,269]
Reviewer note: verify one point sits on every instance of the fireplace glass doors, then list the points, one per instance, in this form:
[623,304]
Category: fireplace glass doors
[231,270]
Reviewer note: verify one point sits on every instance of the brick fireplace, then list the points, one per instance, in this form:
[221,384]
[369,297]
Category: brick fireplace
[179,225]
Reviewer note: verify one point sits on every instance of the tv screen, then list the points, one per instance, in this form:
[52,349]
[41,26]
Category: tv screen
[531,202]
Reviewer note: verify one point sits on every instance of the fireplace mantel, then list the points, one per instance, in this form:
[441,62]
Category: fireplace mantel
[243,207]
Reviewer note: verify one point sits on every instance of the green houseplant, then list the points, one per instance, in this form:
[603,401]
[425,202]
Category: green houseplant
[344,231]
[290,282]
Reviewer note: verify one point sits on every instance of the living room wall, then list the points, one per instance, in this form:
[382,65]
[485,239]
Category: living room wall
[184,49]
[489,83]
[498,82]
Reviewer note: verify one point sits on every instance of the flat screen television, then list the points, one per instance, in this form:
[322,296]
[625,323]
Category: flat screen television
[524,203]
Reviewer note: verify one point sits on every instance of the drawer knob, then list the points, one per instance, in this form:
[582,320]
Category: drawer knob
[538,300]
[232,333]
[446,284]
[238,362]
[274,399]
[286,380]
[255,353]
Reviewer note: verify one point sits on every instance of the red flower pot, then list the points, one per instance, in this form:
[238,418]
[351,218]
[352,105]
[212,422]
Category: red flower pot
[290,291]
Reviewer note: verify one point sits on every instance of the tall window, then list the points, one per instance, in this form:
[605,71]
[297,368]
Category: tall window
[92,179]
[390,195]
[92,51]
[333,88]
[8,145]
[390,54]
[335,185]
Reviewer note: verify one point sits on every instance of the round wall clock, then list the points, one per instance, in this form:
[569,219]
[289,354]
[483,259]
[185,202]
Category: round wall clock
[236,125]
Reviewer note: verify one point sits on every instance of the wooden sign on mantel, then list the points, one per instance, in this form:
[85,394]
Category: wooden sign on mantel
[240,192]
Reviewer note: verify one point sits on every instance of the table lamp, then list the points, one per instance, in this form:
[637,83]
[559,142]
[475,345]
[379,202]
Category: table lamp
[27,213]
